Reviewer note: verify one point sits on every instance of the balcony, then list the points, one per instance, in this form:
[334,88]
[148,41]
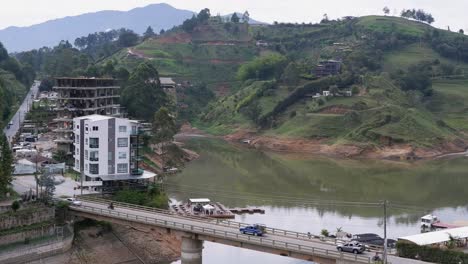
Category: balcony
[94,146]
[137,171]
[93,159]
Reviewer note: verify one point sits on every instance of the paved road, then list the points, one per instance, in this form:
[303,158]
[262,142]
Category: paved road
[230,229]
[18,118]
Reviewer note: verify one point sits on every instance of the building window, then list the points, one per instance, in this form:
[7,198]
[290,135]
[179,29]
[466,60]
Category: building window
[86,141]
[94,142]
[86,155]
[94,168]
[77,151]
[77,163]
[134,130]
[122,168]
[77,126]
[86,128]
[122,129]
[122,155]
[122,142]
[94,155]
[77,139]
[86,167]
[111,169]
[95,128]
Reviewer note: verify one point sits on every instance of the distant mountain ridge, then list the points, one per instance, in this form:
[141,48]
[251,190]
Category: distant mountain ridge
[50,33]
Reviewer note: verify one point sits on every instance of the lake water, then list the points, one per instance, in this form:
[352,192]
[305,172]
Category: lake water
[297,193]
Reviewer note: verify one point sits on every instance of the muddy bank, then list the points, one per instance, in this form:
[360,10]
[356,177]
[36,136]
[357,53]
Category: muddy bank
[122,244]
[320,147]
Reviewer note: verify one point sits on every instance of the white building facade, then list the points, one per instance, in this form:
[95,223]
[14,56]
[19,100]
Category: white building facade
[107,151]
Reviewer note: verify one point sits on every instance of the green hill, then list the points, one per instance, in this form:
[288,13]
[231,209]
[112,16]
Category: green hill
[407,79]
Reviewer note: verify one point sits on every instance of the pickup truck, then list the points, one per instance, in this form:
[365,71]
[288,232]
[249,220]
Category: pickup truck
[251,230]
[352,247]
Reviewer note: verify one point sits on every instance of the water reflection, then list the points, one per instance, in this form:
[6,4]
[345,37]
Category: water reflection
[290,187]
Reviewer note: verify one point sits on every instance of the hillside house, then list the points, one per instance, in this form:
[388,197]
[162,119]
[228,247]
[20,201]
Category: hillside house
[327,68]
[261,43]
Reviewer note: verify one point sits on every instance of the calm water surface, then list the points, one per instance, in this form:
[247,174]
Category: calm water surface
[293,188]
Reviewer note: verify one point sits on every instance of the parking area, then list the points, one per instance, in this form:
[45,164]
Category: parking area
[22,184]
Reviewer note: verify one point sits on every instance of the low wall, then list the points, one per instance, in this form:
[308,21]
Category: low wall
[29,234]
[25,217]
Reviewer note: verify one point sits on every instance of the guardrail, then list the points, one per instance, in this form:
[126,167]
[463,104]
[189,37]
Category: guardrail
[227,223]
[213,232]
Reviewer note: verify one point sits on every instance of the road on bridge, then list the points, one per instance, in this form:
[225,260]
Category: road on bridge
[221,227]
[18,118]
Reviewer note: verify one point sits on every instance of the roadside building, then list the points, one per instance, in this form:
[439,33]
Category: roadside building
[80,97]
[439,238]
[107,152]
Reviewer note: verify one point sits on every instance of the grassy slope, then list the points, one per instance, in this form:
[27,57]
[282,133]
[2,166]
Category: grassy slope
[388,113]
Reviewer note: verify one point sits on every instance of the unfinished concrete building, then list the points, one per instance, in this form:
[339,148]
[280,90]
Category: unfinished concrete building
[81,97]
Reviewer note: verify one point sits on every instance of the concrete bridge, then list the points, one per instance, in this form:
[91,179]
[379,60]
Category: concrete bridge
[194,230]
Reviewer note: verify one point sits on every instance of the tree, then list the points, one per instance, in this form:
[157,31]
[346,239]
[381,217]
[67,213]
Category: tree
[6,162]
[127,38]
[143,95]
[164,126]
[461,31]
[253,111]
[386,10]
[46,85]
[204,15]
[234,18]
[149,33]
[15,206]
[163,130]
[162,31]
[246,17]
[291,74]
[46,180]
[60,155]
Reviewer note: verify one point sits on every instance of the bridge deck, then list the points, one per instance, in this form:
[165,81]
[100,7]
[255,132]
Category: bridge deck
[289,241]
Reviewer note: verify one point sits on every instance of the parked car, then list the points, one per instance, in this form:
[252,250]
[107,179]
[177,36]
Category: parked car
[255,230]
[74,201]
[363,238]
[352,247]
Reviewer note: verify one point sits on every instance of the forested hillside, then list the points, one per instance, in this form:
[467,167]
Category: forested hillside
[15,79]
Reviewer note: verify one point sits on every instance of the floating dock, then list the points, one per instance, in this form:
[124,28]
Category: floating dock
[217,210]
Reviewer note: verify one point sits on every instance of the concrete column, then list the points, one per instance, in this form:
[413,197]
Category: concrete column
[191,251]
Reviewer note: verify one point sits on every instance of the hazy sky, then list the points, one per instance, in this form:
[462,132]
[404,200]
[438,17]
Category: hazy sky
[447,13]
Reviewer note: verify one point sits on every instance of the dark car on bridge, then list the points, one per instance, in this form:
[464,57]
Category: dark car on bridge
[352,247]
[255,230]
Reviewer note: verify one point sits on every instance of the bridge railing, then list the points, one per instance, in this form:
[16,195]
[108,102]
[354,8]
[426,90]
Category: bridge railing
[203,230]
[227,223]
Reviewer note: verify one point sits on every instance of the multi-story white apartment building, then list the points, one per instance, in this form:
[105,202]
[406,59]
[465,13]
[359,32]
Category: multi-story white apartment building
[107,151]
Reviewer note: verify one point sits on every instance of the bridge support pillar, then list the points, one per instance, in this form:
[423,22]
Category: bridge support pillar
[192,249]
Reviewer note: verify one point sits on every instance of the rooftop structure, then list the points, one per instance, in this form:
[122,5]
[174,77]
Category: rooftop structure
[437,237]
[80,97]
[107,151]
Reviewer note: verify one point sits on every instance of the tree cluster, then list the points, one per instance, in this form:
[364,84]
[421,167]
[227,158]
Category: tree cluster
[419,15]
[270,66]
[6,162]
[142,94]
[190,24]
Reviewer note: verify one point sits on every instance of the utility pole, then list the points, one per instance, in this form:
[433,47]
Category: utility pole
[385,232]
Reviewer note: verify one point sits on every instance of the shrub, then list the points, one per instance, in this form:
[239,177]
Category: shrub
[15,206]
[430,254]
[324,233]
